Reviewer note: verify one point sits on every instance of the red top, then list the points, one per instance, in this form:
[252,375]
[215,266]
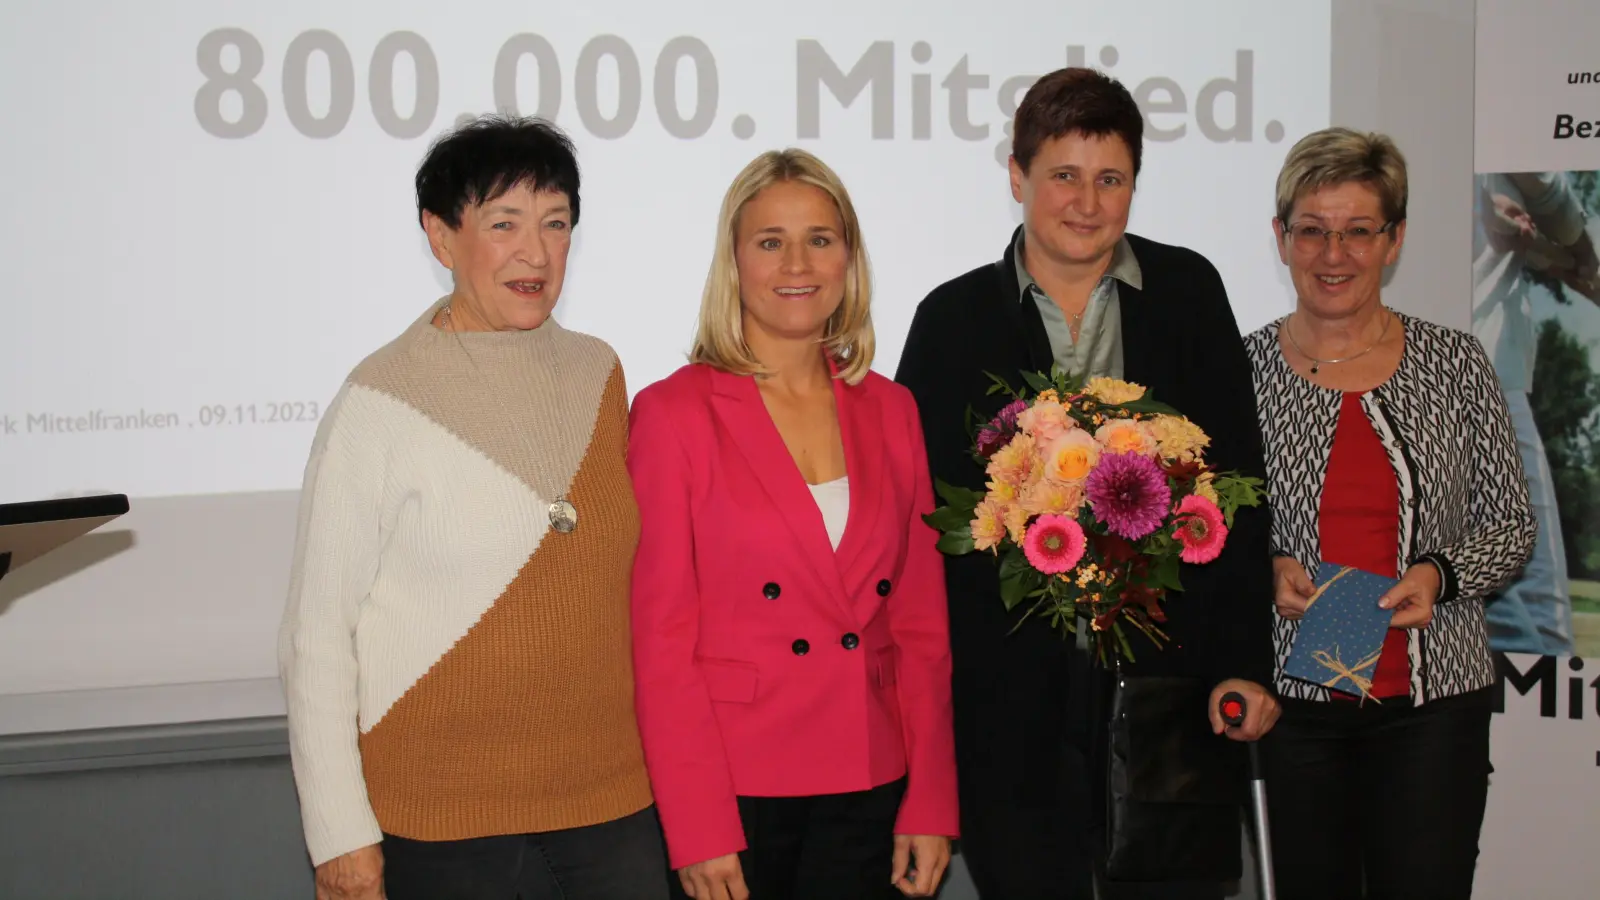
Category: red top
[1360,525]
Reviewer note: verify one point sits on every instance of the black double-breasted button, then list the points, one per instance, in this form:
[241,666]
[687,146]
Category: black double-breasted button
[883,587]
[771,590]
[850,641]
[801,647]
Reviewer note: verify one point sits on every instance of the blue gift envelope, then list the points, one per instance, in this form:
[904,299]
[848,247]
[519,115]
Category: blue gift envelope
[1341,634]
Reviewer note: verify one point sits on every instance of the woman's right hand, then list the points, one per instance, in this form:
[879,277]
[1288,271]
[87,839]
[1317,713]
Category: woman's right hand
[1292,587]
[357,875]
[714,879]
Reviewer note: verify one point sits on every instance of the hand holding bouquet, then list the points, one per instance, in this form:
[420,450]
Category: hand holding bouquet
[1096,494]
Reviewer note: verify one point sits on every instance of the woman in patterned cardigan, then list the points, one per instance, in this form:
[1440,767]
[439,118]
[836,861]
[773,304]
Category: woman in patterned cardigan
[1389,449]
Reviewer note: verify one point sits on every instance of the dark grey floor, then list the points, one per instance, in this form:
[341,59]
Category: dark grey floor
[168,813]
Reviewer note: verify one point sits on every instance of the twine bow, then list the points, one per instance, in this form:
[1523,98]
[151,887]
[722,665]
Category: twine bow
[1334,664]
[1317,595]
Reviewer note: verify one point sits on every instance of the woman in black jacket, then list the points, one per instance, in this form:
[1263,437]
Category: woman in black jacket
[1072,288]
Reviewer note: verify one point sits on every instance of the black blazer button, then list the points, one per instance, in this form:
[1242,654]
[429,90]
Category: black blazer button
[771,590]
[801,647]
[883,588]
[850,641]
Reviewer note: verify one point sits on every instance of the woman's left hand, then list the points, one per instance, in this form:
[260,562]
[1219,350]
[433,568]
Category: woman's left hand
[919,863]
[1413,598]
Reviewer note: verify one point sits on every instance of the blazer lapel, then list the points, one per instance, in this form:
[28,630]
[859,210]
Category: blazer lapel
[861,428]
[737,403]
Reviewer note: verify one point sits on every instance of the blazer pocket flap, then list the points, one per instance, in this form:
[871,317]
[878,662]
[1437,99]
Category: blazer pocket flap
[888,663]
[729,680]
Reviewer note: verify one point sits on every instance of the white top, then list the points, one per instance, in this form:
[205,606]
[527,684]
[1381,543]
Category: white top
[833,498]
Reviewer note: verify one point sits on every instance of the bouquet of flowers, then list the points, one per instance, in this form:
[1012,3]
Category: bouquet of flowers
[1096,494]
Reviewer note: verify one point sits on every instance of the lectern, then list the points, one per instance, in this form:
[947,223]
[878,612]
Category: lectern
[30,530]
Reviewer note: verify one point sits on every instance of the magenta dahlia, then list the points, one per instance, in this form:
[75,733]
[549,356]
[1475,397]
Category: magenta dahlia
[1129,493]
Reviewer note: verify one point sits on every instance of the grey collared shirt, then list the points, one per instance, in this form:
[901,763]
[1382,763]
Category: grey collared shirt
[1097,353]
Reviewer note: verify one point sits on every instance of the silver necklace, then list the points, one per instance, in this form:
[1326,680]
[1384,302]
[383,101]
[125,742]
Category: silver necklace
[562,514]
[1317,364]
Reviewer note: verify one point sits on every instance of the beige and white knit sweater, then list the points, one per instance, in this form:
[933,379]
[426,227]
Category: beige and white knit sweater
[454,666]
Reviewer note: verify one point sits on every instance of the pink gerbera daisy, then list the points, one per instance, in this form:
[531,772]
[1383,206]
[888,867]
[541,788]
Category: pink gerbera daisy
[1200,530]
[1053,544]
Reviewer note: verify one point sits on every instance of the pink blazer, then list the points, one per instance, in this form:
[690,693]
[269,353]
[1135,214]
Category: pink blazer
[766,663]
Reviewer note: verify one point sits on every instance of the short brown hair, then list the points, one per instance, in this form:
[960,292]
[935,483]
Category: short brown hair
[1076,101]
[1335,156]
[849,339]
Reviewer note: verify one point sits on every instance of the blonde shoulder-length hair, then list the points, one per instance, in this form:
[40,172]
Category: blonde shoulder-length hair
[847,339]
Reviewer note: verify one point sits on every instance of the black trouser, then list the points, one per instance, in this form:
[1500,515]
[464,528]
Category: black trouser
[1390,792]
[617,860]
[1029,790]
[830,847]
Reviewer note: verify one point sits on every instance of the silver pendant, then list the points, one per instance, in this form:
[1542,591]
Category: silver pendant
[563,516]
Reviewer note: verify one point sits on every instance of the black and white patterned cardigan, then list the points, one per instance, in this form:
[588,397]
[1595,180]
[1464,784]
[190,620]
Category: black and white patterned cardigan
[1463,495]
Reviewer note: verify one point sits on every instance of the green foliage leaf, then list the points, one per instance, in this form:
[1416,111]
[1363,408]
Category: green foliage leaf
[1145,405]
[1000,385]
[1122,640]
[956,543]
[1018,580]
[963,500]
[1038,382]
[948,518]
[1164,572]
[1236,491]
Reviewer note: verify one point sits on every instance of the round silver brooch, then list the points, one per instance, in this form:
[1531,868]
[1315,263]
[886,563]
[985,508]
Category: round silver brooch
[563,516]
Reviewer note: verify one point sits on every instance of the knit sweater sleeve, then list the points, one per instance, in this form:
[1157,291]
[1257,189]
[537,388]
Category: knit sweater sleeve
[335,562]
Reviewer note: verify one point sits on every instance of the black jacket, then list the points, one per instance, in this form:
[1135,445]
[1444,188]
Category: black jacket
[1180,340]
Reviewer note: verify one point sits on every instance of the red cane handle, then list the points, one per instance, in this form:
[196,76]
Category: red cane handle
[1233,708]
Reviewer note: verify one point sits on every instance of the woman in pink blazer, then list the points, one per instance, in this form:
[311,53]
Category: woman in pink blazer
[790,638]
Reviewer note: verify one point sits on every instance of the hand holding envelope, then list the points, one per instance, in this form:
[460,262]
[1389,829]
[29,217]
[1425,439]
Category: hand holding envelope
[1413,597]
[1345,619]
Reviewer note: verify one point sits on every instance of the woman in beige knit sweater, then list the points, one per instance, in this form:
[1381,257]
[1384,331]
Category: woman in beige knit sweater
[456,650]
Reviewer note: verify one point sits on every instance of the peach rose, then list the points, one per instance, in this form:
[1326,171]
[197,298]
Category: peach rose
[1070,458]
[1126,436]
[1046,421]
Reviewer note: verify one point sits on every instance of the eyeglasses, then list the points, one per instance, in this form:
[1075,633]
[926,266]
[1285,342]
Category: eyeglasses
[1358,239]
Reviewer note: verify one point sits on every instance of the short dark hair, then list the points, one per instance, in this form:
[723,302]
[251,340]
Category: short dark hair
[1076,101]
[490,155]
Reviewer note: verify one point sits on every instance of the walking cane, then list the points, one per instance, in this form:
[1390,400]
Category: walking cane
[1233,712]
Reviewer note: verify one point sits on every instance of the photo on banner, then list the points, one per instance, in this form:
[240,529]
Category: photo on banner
[1536,308]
